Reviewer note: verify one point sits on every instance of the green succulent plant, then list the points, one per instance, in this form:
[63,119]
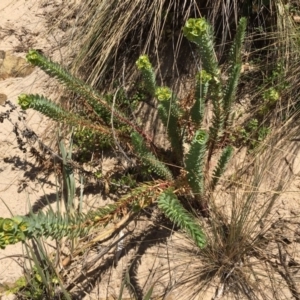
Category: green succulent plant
[175,169]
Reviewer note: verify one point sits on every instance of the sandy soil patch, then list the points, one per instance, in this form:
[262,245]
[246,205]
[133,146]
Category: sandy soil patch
[23,26]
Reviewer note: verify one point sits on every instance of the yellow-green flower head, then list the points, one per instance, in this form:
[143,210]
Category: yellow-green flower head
[23,226]
[194,28]
[203,76]
[201,137]
[32,56]
[8,225]
[163,93]
[271,95]
[24,101]
[143,63]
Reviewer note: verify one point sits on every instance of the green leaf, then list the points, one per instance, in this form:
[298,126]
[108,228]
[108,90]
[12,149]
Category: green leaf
[149,293]
[195,162]
[172,208]
[169,112]
[145,67]
[221,165]
[148,158]
[201,89]
[235,61]
[199,32]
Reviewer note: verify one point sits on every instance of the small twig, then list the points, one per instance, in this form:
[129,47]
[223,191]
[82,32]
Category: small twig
[113,129]
[104,235]
[287,276]
[219,291]
[103,251]
[220,288]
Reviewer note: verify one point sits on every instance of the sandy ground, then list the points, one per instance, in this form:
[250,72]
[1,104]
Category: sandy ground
[23,26]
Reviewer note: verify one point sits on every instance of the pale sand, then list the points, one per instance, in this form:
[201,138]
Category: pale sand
[21,22]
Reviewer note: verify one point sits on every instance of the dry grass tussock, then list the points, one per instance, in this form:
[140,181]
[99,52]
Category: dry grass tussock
[113,34]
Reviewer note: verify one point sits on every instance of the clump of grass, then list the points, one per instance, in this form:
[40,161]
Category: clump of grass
[236,262]
[117,33]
